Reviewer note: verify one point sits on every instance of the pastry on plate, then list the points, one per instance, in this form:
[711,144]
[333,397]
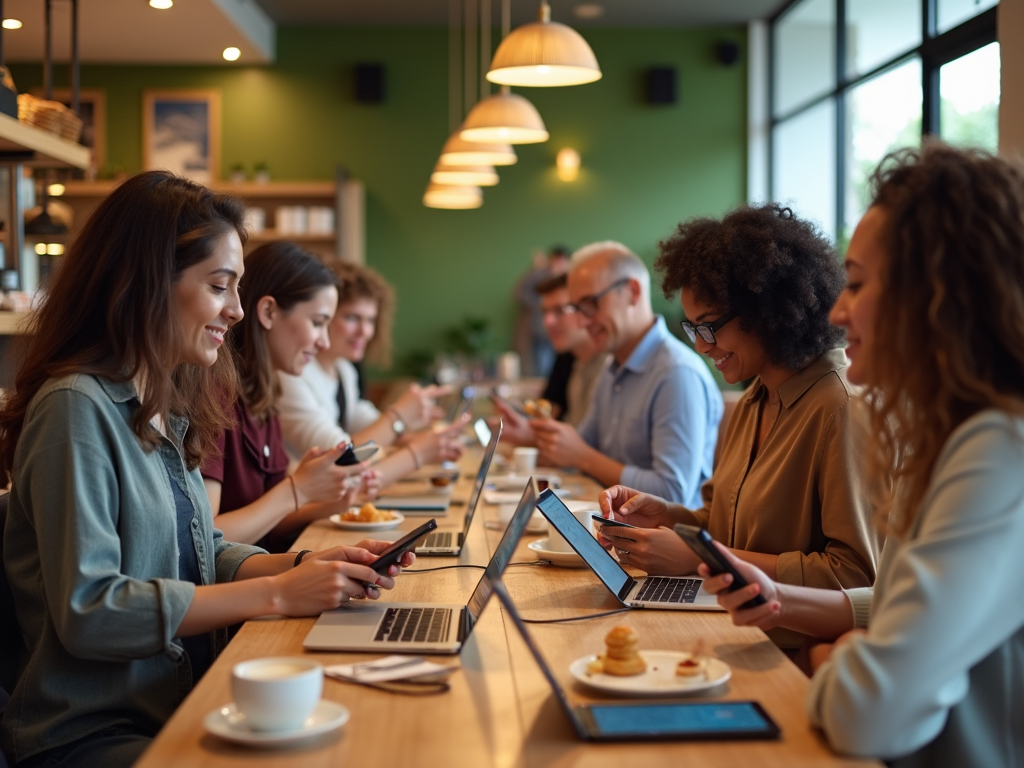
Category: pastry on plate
[367,513]
[622,657]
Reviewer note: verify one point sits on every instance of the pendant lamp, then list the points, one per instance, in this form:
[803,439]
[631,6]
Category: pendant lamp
[471,175]
[504,117]
[451,196]
[544,54]
[456,151]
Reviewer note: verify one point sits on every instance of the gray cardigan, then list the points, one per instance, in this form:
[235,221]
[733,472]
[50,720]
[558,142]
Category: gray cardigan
[91,552]
[939,678]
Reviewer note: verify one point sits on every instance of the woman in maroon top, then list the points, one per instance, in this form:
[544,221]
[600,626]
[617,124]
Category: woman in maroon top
[288,297]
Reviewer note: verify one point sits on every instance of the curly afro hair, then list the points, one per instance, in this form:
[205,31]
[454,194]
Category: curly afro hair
[777,272]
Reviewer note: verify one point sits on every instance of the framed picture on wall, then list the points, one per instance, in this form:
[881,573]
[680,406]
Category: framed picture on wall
[92,108]
[181,133]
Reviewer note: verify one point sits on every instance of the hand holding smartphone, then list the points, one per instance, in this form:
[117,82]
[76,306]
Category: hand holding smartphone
[393,554]
[608,522]
[352,455]
[700,541]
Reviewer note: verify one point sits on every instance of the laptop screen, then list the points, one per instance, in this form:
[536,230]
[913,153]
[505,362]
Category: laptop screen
[502,555]
[481,477]
[586,546]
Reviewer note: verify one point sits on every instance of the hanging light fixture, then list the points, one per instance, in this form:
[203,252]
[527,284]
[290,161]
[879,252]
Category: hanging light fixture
[504,117]
[472,175]
[544,54]
[454,197]
[456,151]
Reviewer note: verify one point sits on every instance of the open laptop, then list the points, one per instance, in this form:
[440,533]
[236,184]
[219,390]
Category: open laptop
[369,625]
[674,593]
[446,543]
[650,720]
[424,503]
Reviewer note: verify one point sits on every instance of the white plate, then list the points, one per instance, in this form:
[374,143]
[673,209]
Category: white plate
[564,559]
[518,482]
[228,723]
[660,679]
[384,525]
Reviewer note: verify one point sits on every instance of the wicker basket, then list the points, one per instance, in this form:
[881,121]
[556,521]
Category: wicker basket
[51,116]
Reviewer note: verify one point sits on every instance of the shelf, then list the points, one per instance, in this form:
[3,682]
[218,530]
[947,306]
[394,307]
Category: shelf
[247,190]
[11,323]
[273,234]
[24,143]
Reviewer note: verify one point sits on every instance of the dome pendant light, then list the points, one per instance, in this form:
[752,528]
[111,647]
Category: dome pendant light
[453,197]
[544,54]
[472,175]
[505,117]
[459,152]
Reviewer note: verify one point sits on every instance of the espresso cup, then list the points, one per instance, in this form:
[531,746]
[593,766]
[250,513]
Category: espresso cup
[276,694]
[582,511]
[524,459]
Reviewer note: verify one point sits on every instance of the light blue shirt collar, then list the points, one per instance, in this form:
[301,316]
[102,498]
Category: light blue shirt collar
[640,357]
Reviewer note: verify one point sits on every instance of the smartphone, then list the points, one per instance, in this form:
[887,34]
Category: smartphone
[608,521]
[393,554]
[483,432]
[462,405]
[700,541]
[518,408]
[358,455]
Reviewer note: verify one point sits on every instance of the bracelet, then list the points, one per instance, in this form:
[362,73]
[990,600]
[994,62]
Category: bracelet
[295,495]
[415,456]
[298,557]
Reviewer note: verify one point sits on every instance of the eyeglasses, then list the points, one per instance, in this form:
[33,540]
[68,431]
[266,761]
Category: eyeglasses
[587,306]
[706,330]
[562,310]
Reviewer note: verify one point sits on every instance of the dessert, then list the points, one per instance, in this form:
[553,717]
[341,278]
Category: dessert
[693,666]
[367,513]
[621,657]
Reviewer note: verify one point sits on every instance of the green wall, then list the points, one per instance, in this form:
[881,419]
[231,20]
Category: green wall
[644,168]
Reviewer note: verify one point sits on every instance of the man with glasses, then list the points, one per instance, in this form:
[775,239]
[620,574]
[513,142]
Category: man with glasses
[653,420]
[577,366]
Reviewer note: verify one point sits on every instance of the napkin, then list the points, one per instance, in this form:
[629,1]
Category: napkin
[387,668]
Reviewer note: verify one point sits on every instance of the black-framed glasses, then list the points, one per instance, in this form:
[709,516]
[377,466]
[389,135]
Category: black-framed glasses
[706,330]
[562,310]
[587,306]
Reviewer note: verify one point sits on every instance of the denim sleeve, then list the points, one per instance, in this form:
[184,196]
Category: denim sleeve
[680,431]
[71,484]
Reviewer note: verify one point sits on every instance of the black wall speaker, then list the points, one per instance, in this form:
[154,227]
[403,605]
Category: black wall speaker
[369,83]
[727,52]
[661,85]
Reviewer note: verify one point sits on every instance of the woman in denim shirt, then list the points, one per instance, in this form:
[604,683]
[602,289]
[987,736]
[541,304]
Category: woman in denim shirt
[122,585]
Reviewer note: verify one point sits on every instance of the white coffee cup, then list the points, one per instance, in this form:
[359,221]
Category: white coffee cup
[525,460]
[582,511]
[277,693]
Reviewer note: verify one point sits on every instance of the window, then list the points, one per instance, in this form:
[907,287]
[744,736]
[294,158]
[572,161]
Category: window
[853,80]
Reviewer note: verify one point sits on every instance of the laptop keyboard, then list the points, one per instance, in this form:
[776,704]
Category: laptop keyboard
[662,590]
[438,540]
[414,625]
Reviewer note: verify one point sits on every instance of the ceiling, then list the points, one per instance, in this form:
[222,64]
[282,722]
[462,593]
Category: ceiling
[617,13]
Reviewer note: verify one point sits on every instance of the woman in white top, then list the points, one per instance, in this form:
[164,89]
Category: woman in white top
[324,406]
[934,317]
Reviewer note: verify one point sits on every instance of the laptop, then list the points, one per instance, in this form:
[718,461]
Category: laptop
[650,720]
[385,627]
[446,543]
[673,593]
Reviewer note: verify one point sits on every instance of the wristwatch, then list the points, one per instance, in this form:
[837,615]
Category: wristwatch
[396,422]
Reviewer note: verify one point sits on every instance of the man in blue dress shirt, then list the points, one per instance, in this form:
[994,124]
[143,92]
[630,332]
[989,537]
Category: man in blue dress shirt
[653,420]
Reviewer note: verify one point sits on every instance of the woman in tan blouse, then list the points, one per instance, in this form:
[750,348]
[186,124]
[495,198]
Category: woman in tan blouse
[786,495]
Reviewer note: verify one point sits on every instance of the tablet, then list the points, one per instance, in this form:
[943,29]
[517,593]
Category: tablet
[701,720]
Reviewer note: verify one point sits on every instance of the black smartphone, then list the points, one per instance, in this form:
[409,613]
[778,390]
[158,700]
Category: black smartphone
[608,521]
[700,541]
[358,455]
[393,554]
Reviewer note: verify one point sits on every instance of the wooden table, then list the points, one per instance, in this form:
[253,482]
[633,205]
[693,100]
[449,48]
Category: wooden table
[500,711]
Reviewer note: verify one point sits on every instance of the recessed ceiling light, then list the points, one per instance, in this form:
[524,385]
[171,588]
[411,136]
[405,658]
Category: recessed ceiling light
[588,11]
[11,24]
[232,53]
[161,5]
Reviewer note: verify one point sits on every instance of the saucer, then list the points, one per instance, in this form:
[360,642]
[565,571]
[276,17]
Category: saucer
[383,525]
[563,559]
[228,723]
[660,679]
[517,482]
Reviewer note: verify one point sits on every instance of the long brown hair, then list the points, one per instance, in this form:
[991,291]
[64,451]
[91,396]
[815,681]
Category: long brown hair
[290,274]
[109,311]
[950,329]
[358,282]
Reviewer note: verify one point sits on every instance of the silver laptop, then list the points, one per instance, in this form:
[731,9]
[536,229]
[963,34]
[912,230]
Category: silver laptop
[368,625]
[446,543]
[673,593]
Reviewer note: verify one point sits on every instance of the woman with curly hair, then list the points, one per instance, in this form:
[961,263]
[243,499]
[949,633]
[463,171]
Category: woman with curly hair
[756,290]
[934,314]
